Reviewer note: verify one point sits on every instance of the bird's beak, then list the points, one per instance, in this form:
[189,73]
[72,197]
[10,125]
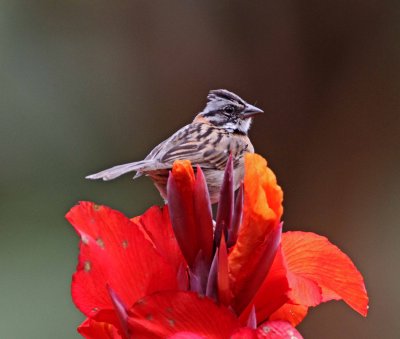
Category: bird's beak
[250,111]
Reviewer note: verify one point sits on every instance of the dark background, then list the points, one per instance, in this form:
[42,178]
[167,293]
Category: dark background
[86,85]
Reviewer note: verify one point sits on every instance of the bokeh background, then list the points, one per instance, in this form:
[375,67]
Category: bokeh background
[86,85]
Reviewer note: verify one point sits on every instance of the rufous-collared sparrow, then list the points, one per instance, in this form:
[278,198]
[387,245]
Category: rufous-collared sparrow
[215,133]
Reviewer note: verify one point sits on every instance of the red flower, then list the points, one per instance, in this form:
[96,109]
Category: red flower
[135,277]
[132,257]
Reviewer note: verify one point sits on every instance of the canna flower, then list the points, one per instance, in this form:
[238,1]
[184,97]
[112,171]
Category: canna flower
[173,272]
[121,255]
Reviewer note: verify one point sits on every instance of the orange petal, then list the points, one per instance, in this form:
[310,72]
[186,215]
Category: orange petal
[92,329]
[263,193]
[304,291]
[293,314]
[184,175]
[261,214]
[311,257]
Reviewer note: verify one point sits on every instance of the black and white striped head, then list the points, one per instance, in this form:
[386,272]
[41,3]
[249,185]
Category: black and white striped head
[227,110]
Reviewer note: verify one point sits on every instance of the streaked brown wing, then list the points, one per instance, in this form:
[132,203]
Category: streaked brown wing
[200,143]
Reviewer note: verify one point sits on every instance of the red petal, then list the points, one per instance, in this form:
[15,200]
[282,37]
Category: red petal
[269,330]
[225,204]
[244,333]
[186,335]
[156,223]
[261,214]
[203,216]
[278,330]
[237,217]
[303,291]
[92,329]
[294,314]
[224,291]
[256,270]
[190,211]
[198,274]
[212,280]
[180,204]
[114,251]
[166,313]
[311,257]
[272,293]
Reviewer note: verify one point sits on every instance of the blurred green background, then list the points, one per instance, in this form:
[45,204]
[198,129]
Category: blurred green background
[86,85]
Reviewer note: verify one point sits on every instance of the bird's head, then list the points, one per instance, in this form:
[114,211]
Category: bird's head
[227,110]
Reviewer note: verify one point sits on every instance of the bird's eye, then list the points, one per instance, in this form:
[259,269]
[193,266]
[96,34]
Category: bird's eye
[229,109]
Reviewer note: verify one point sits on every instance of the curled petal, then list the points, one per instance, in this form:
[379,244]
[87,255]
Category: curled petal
[312,259]
[257,268]
[261,189]
[198,274]
[272,293]
[258,233]
[180,202]
[93,329]
[224,291]
[212,283]
[203,216]
[225,204]
[190,211]
[237,218]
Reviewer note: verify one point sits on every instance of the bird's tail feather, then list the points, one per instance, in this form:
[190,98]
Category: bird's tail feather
[116,171]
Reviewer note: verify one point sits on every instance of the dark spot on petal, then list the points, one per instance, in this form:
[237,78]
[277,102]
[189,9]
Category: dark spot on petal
[169,310]
[266,329]
[100,242]
[149,316]
[96,207]
[171,322]
[141,301]
[125,243]
[87,266]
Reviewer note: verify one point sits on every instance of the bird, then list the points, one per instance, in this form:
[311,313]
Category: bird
[218,131]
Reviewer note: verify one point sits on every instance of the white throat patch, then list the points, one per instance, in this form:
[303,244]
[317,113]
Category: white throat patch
[244,125]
